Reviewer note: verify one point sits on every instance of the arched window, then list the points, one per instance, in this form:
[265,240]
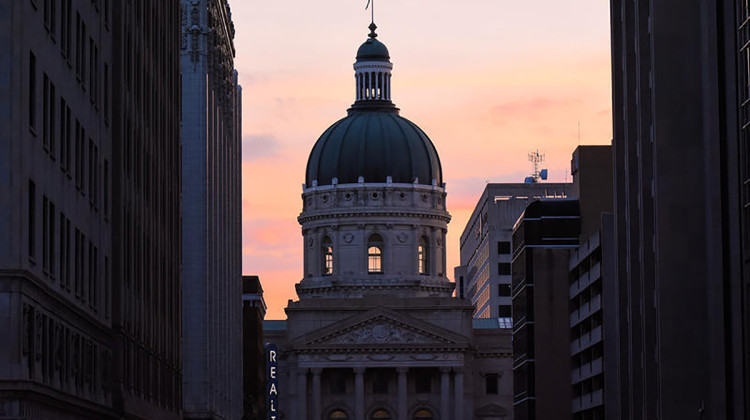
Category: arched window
[375,254]
[380,415]
[327,252]
[423,414]
[339,414]
[423,256]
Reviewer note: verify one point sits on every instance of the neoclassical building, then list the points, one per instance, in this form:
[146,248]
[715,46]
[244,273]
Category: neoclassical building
[376,332]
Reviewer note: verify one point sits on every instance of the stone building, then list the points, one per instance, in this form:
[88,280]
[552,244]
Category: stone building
[89,215]
[146,179]
[55,211]
[376,333]
[211,213]
[253,371]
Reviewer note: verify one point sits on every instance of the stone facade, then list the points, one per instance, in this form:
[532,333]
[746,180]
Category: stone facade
[376,332]
[211,214]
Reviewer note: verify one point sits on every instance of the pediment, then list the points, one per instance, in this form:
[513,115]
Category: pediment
[381,327]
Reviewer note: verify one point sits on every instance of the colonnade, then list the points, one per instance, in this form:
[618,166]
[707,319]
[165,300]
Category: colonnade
[373,85]
[312,375]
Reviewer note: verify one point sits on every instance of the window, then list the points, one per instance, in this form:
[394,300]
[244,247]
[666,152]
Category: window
[32,90]
[106,189]
[503,289]
[504,311]
[32,220]
[423,414]
[381,414]
[65,28]
[423,383]
[80,156]
[380,382]
[48,116]
[50,16]
[337,414]
[80,241]
[64,136]
[93,171]
[106,287]
[80,49]
[490,384]
[503,247]
[64,251]
[337,383]
[503,269]
[48,236]
[93,72]
[375,254]
[423,256]
[327,250]
[106,93]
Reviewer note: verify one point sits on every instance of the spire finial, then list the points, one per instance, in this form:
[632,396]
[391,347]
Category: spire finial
[372,10]
[372,27]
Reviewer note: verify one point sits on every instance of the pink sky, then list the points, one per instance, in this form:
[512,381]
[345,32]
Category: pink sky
[487,80]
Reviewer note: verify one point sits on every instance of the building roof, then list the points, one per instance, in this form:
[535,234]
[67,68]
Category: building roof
[374,144]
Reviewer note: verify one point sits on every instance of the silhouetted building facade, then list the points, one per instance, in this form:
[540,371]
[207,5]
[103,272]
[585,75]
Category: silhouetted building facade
[56,216]
[146,236]
[591,284]
[254,361]
[543,237]
[211,213]
[680,90]
[484,276]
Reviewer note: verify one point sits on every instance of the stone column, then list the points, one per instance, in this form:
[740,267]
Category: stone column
[402,393]
[445,391]
[458,387]
[302,394]
[316,408]
[359,393]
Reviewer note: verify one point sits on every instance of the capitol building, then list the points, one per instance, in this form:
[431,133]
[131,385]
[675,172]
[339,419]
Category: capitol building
[376,332]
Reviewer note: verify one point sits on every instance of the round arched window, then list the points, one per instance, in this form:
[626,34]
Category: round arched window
[423,414]
[375,254]
[381,415]
[327,263]
[423,256]
[339,414]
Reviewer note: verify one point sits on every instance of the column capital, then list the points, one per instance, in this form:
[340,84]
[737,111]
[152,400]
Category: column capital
[445,370]
[402,369]
[458,370]
[316,371]
[359,369]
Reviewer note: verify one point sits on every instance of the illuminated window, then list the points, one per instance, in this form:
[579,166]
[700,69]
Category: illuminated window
[375,254]
[423,414]
[327,250]
[423,256]
[337,414]
[381,414]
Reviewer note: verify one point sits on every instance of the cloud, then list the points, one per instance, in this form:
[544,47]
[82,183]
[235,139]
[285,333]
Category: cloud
[258,146]
[511,112]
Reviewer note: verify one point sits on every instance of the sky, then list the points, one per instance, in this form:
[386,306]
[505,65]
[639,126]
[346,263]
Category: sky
[487,80]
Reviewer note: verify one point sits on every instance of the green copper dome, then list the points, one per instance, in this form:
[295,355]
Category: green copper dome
[374,145]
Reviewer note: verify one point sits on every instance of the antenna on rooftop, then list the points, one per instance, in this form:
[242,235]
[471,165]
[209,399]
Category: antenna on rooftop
[537,175]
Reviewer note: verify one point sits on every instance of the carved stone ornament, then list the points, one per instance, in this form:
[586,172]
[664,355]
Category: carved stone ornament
[380,332]
[310,242]
[402,237]
[348,238]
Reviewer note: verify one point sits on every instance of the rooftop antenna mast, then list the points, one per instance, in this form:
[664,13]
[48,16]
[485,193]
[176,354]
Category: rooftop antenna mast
[538,175]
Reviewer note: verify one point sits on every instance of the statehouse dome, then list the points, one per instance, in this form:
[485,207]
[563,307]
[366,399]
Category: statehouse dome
[373,141]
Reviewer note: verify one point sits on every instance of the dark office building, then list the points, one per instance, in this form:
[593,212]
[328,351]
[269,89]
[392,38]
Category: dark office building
[146,238]
[254,366]
[681,158]
[543,237]
[55,212]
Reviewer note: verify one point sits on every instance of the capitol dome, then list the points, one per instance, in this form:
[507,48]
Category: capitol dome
[373,142]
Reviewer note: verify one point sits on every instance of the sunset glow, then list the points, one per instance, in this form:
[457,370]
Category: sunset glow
[487,80]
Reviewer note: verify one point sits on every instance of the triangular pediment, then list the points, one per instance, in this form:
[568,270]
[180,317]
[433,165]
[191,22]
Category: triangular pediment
[381,327]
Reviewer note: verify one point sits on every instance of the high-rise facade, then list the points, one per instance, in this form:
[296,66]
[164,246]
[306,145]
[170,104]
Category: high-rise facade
[211,213]
[680,87]
[253,372]
[484,276]
[146,180]
[55,209]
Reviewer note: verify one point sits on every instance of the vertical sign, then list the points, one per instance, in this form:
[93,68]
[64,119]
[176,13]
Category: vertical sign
[272,392]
